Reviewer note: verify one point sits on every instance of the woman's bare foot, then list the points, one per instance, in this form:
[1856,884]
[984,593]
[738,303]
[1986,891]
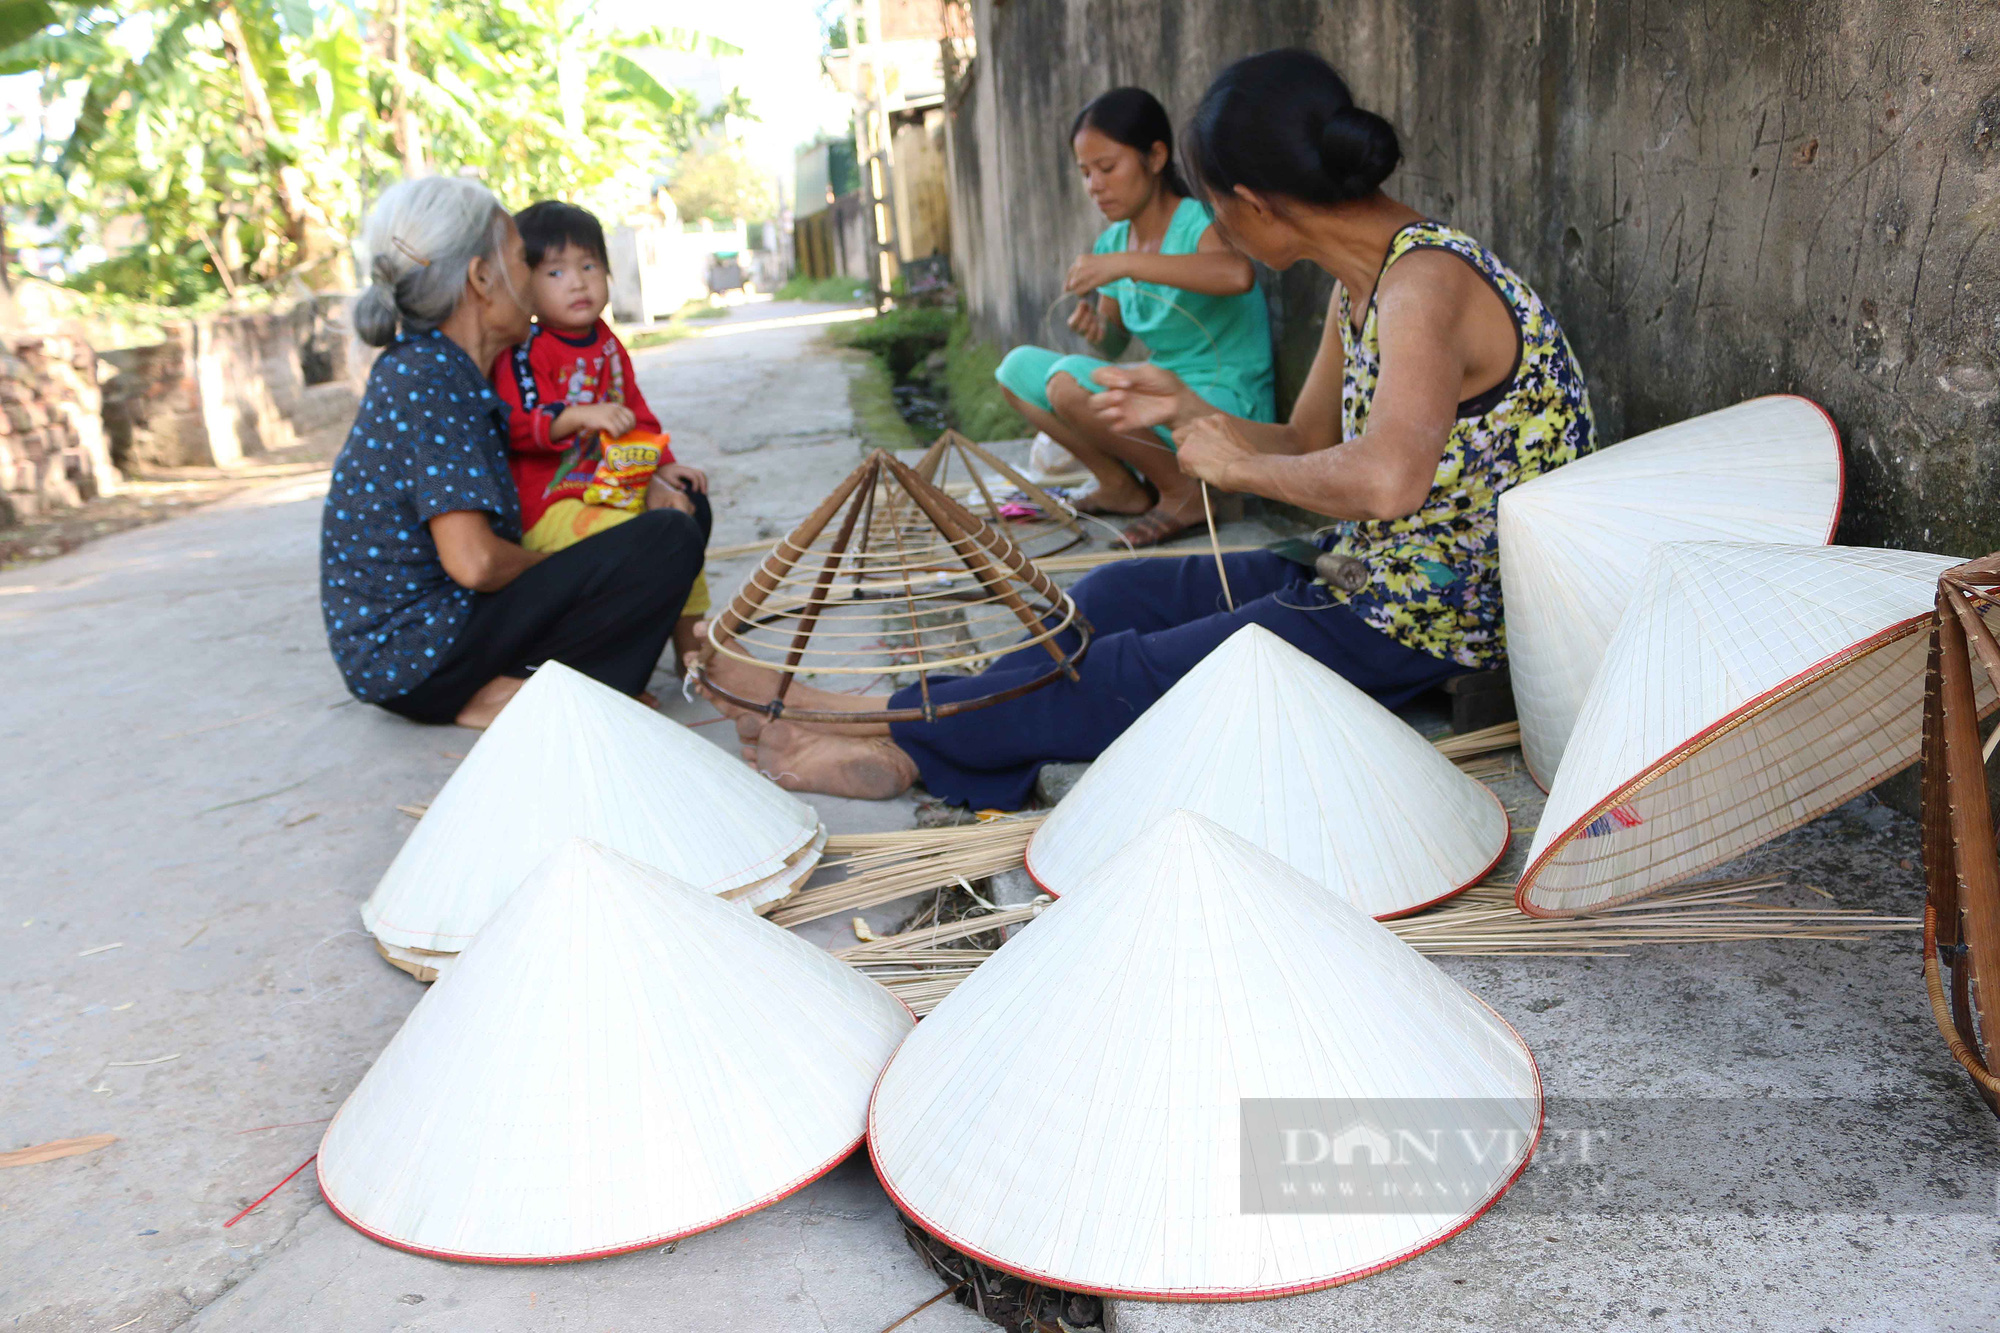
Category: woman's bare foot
[725,673]
[865,768]
[756,682]
[749,726]
[483,707]
[1120,501]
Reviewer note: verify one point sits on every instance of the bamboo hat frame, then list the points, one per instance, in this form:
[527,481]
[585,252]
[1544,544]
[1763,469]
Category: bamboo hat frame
[1749,688]
[907,581]
[1573,542]
[1961,868]
[952,456]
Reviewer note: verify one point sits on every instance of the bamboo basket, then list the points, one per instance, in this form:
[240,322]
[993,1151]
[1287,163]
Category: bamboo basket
[1961,867]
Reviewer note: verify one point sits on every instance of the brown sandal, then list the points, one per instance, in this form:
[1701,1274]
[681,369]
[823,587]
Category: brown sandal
[1154,527]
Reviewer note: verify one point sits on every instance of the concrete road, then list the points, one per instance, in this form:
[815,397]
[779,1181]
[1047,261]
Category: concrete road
[186,781]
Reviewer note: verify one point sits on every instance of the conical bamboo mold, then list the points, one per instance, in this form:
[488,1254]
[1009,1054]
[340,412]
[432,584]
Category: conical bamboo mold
[570,757]
[1749,688]
[616,1061]
[1282,751]
[1077,1110]
[1573,542]
[959,467]
[888,577]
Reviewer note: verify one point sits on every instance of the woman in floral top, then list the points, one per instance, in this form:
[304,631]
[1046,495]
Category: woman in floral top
[1441,381]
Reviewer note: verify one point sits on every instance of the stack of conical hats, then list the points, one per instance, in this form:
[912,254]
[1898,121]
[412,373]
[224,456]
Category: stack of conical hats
[1748,688]
[1573,542]
[570,757]
[1094,1107]
[617,1060]
[1283,752]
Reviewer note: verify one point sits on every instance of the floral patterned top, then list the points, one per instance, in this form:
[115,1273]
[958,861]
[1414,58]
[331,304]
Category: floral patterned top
[1435,583]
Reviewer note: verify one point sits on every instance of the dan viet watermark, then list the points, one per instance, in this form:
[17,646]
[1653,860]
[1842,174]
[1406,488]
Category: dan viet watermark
[1735,1156]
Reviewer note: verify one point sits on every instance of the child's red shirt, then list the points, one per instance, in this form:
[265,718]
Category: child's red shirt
[540,377]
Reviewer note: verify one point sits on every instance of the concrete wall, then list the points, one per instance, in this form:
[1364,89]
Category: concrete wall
[52,450]
[1719,201]
[226,388]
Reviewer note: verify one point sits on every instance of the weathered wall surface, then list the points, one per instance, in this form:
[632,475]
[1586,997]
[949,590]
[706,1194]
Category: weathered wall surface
[1719,200]
[52,452]
[227,387]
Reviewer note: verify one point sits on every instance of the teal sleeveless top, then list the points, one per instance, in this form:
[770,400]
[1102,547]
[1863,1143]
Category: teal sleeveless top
[1220,346]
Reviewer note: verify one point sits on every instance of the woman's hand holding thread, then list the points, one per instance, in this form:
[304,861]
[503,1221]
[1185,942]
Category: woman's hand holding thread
[1136,397]
[1210,447]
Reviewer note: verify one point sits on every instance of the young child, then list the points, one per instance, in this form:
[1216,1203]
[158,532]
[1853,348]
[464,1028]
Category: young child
[585,450]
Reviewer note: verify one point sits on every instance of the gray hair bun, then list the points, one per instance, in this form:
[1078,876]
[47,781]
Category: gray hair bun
[422,238]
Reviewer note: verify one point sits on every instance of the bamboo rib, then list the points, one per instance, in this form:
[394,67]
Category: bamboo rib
[1059,519]
[906,580]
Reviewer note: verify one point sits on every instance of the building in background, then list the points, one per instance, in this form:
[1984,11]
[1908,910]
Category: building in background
[896,75]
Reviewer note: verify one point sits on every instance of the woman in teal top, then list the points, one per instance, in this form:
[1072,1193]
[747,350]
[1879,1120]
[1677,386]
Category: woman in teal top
[1160,273]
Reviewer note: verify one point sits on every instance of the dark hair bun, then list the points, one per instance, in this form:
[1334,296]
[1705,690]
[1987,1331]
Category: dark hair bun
[1358,150]
[1283,122]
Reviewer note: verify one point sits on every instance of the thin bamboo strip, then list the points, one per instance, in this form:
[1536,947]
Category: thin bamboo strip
[1081,560]
[928,938]
[1505,736]
[884,867]
[918,968]
[741,548]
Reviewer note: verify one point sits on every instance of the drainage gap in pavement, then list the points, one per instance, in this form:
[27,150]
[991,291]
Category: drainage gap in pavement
[1014,1303]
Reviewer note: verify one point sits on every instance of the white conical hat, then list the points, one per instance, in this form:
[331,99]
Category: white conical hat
[1748,688]
[572,758]
[1280,750]
[1573,542]
[617,1060]
[1077,1111]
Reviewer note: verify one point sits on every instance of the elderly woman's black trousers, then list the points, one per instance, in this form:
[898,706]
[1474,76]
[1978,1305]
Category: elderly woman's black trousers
[605,606]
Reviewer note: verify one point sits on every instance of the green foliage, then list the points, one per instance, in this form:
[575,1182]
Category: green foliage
[721,184]
[973,396]
[798,287]
[232,172]
[902,337]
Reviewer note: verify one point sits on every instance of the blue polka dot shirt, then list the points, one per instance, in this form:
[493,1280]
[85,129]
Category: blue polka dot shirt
[430,439]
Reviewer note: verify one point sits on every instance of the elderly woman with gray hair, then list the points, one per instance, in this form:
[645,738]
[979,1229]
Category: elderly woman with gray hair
[433,608]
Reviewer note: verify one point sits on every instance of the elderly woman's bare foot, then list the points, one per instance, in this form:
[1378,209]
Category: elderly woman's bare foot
[726,673]
[761,683]
[866,768]
[483,707]
[749,726]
